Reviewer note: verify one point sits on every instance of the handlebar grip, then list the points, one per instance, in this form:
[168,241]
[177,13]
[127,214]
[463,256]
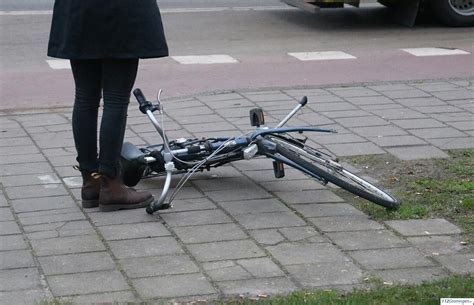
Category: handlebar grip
[304,101]
[140,97]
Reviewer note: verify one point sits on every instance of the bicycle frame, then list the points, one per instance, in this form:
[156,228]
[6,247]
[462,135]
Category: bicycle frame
[245,144]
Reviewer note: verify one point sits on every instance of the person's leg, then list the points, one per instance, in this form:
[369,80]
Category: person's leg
[87,77]
[118,78]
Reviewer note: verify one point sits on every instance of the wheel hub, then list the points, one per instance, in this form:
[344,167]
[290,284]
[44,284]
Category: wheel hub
[463,7]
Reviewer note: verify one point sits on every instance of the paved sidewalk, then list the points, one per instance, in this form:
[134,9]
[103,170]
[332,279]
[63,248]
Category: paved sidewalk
[235,230]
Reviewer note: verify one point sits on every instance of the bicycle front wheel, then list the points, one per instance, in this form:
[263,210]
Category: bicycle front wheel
[320,165]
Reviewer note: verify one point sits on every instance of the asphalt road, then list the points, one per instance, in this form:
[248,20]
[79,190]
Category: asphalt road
[257,34]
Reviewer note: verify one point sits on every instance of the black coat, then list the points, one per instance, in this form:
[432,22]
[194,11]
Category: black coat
[94,29]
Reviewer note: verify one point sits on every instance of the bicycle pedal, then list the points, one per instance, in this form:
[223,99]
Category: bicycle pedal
[278,169]
[257,118]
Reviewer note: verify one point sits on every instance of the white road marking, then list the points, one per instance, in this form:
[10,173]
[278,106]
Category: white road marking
[434,51]
[327,55]
[170,10]
[59,64]
[205,59]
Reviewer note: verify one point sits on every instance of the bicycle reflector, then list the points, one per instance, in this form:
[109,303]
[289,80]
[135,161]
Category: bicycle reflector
[278,169]
[257,117]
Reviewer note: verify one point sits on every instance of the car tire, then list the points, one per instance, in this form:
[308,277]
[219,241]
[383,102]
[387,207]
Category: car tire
[454,12]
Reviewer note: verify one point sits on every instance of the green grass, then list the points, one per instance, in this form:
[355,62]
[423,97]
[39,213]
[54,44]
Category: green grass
[428,188]
[429,293]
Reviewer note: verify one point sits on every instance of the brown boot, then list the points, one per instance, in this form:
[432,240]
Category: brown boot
[114,196]
[90,189]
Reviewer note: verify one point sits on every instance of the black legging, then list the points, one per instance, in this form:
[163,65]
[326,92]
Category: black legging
[115,78]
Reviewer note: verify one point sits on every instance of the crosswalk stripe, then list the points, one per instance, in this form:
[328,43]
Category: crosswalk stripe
[434,51]
[205,59]
[59,64]
[327,55]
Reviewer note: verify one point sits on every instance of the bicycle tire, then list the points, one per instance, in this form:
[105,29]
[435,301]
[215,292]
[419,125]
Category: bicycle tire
[341,177]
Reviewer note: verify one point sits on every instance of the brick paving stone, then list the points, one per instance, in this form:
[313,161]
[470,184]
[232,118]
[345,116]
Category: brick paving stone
[173,286]
[433,133]
[253,164]
[379,131]
[23,278]
[369,100]
[366,121]
[417,152]
[397,141]
[307,234]
[421,101]
[225,250]
[256,287]
[353,92]
[44,203]
[313,196]
[76,263]
[18,144]
[390,87]
[180,205]
[67,245]
[25,169]
[238,194]
[193,218]
[158,265]
[138,230]
[405,94]
[34,191]
[333,106]
[9,227]
[396,258]
[454,143]
[462,263]
[3,200]
[16,259]
[419,123]
[355,149]
[346,115]
[62,229]
[34,218]
[130,248]
[423,227]
[306,253]
[189,111]
[267,237]
[453,116]
[269,220]
[454,94]
[326,274]
[23,297]
[269,175]
[6,215]
[337,139]
[17,159]
[261,267]
[120,217]
[437,109]
[375,239]
[44,179]
[438,245]
[345,223]
[436,86]
[209,233]
[12,242]
[467,125]
[283,185]
[254,206]
[226,271]
[84,283]
[219,184]
[413,276]
[398,114]
[103,298]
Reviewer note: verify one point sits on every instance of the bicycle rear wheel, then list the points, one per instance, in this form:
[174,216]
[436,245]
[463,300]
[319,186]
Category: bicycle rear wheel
[320,165]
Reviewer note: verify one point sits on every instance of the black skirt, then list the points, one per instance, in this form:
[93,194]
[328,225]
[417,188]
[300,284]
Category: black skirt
[95,29]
